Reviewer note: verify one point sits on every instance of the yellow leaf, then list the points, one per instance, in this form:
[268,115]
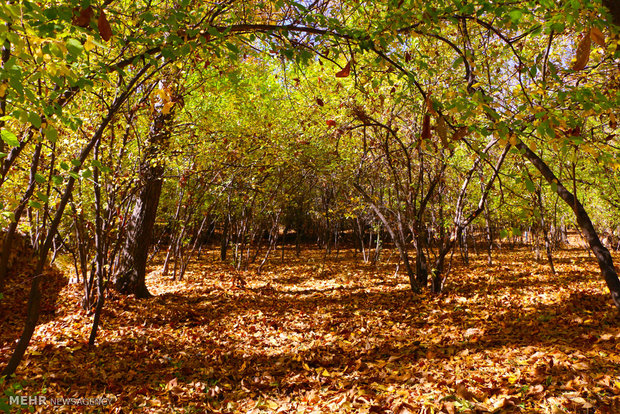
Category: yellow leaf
[166,109]
[2,89]
[513,139]
[89,45]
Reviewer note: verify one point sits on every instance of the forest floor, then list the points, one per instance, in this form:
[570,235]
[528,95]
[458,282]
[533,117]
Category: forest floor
[339,335]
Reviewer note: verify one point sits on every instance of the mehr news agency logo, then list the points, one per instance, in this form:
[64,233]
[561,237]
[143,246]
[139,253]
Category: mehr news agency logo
[41,400]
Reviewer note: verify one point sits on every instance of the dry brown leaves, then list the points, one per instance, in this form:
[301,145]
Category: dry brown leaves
[342,336]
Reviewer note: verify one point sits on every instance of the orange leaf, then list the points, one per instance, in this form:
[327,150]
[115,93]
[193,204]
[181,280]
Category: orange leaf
[429,105]
[459,134]
[331,122]
[597,36]
[582,55]
[426,127]
[104,27]
[345,71]
[442,131]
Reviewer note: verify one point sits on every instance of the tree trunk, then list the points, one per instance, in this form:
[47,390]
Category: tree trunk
[132,272]
[8,239]
[131,275]
[603,256]
[421,265]
[224,240]
[398,240]
[34,299]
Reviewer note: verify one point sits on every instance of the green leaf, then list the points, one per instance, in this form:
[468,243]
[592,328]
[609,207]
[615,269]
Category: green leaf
[101,167]
[74,47]
[232,47]
[554,187]
[34,204]
[8,215]
[515,15]
[74,175]
[34,119]
[43,197]
[50,133]
[530,185]
[10,138]
[39,178]
[457,62]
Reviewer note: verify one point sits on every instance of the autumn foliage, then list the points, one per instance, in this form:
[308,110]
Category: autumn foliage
[337,335]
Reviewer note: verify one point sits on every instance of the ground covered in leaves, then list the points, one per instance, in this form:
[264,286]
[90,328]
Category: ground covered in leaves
[339,335]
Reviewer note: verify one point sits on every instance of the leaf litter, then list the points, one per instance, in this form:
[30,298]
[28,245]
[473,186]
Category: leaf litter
[310,335]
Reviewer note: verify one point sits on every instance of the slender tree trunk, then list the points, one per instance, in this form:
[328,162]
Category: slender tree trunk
[224,240]
[34,299]
[460,222]
[603,257]
[5,55]
[489,231]
[173,229]
[421,264]
[100,254]
[8,238]
[396,238]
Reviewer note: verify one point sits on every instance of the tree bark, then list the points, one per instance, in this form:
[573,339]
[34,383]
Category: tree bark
[614,10]
[130,278]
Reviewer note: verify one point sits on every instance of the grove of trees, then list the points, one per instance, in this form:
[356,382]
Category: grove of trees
[131,128]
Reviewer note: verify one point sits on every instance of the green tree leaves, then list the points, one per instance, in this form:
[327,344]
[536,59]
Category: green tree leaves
[9,138]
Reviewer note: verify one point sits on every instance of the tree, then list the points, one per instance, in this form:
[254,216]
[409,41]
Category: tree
[131,273]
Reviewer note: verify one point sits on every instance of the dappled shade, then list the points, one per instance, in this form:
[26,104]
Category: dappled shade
[345,336]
